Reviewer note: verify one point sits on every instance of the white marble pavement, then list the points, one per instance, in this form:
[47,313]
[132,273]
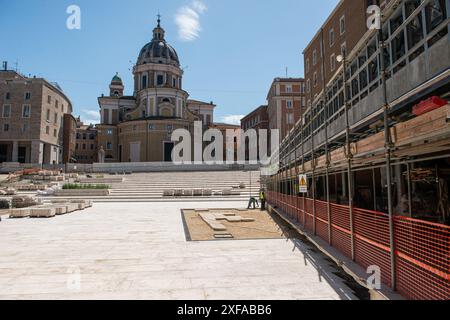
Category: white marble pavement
[139,251]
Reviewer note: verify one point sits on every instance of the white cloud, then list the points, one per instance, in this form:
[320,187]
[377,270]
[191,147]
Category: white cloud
[188,20]
[232,119]
[93,117]
[199,6]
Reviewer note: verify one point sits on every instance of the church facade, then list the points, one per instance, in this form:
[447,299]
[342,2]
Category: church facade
[138,128]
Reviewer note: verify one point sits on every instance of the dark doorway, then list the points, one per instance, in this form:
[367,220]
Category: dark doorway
[3,153]
[168,148]
[22,155]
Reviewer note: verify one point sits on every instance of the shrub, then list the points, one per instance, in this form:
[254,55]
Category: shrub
[75,186]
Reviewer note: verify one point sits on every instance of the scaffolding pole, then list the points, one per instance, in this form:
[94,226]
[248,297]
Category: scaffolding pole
[313,184]
[297,190]
[327,156]
[388,150]
[349,160]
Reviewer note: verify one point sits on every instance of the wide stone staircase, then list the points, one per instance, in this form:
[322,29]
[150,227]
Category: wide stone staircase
[150,187]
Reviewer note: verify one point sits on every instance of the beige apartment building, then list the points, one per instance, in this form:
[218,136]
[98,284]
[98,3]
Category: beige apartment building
[31,119]
[286,101]
[86,150]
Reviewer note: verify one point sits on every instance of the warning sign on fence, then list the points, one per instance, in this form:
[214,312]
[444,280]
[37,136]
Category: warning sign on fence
[303,183]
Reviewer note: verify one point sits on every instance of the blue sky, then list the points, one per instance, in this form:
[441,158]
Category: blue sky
[231,49]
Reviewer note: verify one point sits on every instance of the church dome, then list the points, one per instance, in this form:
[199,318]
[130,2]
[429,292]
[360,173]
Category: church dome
[158,50]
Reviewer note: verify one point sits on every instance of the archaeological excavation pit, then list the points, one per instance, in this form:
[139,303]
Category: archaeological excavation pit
[232,224]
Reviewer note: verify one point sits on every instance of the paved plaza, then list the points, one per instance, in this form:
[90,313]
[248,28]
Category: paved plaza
[139,251]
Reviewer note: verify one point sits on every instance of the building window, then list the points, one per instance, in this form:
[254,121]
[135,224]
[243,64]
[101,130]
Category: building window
[290,118]
[76,146]
[344,49]
[26,111]
[308,85]
[414,31]
[109,146]
[151,127]
[56,118]
[174,82]
[160,80]
[288,89]
[49,99]
[331,37]
[84,146]
[315,79]
[6,111]
[333,62]
[435,14]
[25,128]
[27,95]
[144,82]
[289,104]
[92,147]
[47,130]
[169,127]
[342,25]
[55,132]
[314,57]
[48,116]
[109,132]
[6,127]
[56,104]
[307,65]
[398,47]
[7,96]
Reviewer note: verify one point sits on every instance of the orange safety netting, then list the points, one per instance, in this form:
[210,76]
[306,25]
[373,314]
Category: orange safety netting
[422,249]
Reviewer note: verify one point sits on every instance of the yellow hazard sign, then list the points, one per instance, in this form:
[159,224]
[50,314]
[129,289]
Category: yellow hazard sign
[303,183]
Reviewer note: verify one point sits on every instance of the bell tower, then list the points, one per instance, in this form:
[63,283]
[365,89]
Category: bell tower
[116,87]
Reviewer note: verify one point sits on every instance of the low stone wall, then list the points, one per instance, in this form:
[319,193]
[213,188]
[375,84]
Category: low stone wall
[82,192]
[100,180]
[127,167]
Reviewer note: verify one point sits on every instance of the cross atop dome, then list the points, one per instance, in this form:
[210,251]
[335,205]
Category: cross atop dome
[158,50]
[158,32]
